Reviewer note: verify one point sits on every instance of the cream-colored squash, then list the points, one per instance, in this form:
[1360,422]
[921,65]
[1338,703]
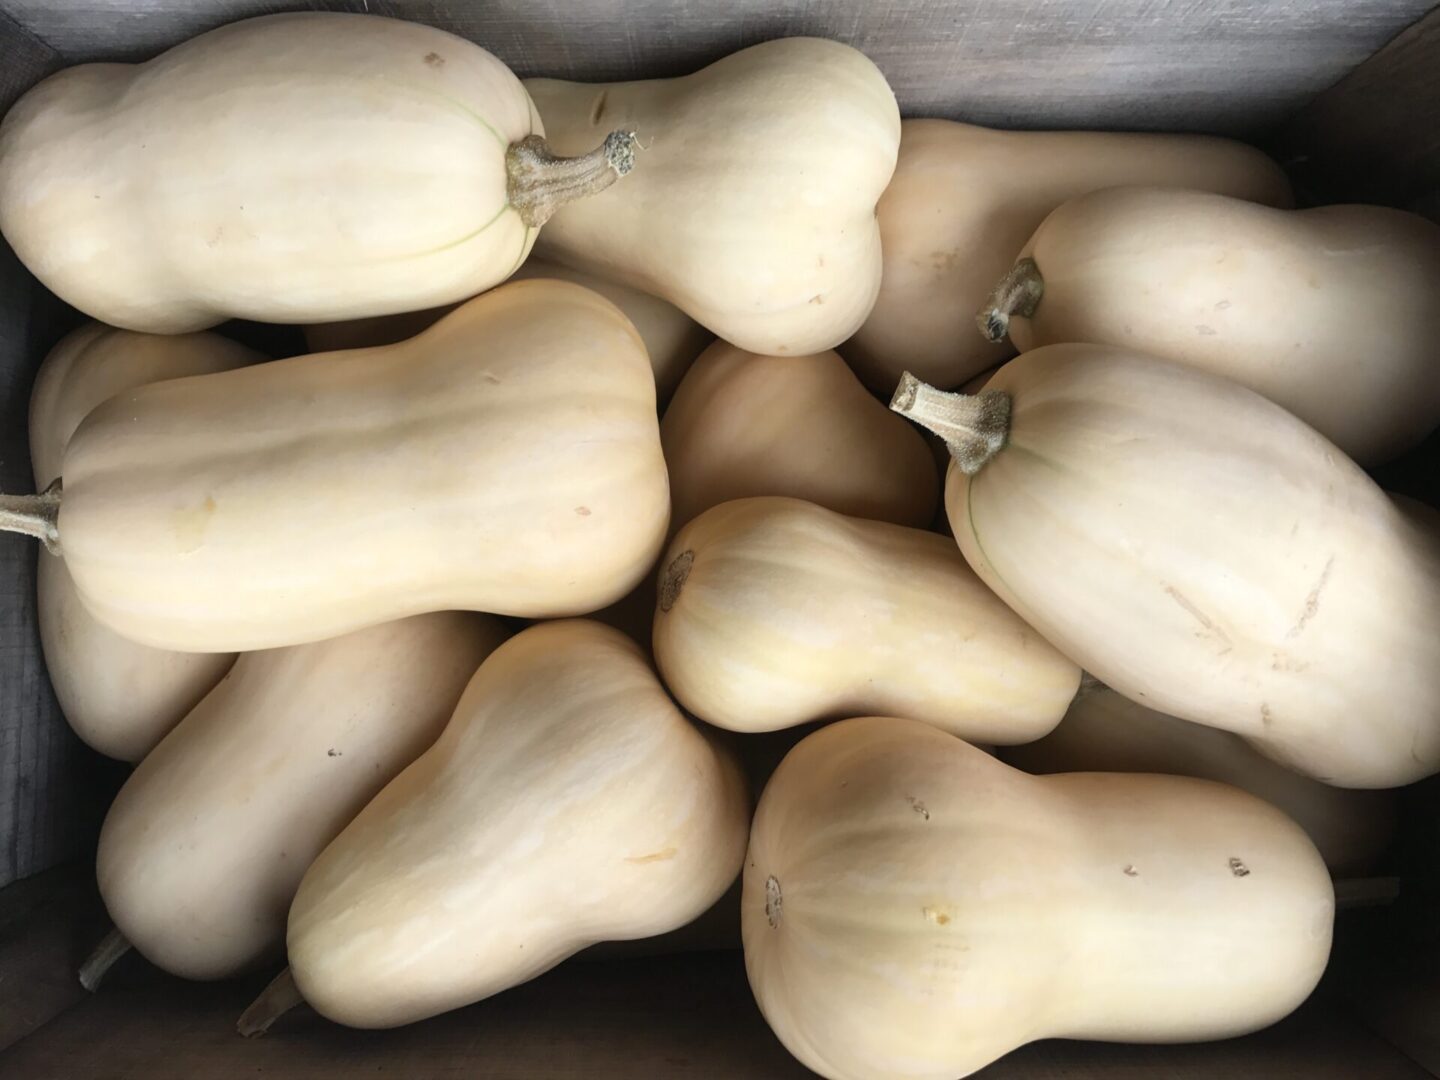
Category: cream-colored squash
[507,460]
[671,337]
[290,168]
[1330,312]
[206,843]
[753,206]
[568,802]
[1203,552]
[914,909]
[802,426]
[120,697]
[1105,732]
[774,612]
[964,200]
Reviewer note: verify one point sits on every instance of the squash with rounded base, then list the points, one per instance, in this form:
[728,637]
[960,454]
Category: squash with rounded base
[1200,550]
[289,168]
[776,612]
[753,207]
[568,802]
[506,460]
[913,909]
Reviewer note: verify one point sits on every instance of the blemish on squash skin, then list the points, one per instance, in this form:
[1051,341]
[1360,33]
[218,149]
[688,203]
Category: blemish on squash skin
[918,806]
[938,916]
[190,525]
[1312,601]
[674,579]
[817,299]
[663,855]
[1207,625]
[773,901]
[598,109]
[1238,868]
[583,511]
[1266,717]
[435,60]
[1205,331]
[1129,870]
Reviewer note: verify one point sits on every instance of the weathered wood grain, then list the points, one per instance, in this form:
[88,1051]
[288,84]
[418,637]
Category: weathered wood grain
[1209,65]
[689,1018]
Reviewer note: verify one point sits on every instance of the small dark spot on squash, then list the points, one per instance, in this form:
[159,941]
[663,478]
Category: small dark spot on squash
[583,511]
[332,752]
[918,806]
[817,299]
[434,60]
[1238,868]
[598,109]
[1130,870]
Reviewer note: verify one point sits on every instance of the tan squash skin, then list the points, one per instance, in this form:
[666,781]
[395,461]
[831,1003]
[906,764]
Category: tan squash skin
[752,204]
[1104,732]
[290,168]
[120,697]
[776,612]
[568,802]
[1201,551]
[1330,312]
[964,200]
[506,460]
[671,337]
[930,909]
[205,845]
[802,426]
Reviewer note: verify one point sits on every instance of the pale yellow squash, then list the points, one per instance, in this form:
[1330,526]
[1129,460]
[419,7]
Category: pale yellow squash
[752,207]
[671,337]
[914,909]
[1201,551]
[1330,312]
[506,460]
[775,612]
[965,199]
[568,802]
[120,697]
[290,168]
[205,845]
[1105,732]
[802,426]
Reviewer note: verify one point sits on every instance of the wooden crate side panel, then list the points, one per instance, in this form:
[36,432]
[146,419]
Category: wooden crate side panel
[1235,66]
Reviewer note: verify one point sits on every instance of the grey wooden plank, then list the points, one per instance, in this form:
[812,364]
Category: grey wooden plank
[1375,135]
[1216,65]
[682,1018]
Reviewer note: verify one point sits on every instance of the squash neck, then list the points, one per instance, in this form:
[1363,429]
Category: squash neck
[34,515]
[1017,293]
[974,427]
[538,183]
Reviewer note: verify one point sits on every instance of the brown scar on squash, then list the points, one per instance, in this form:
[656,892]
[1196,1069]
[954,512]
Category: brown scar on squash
[598,109]
[435,60]
[1312,601]
[663,855]
[918,806]
[1206,623]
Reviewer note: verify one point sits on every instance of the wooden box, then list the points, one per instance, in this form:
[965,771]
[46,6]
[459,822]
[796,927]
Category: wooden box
[1346,94]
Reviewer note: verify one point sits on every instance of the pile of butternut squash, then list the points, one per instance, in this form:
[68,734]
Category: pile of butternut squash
[442,653]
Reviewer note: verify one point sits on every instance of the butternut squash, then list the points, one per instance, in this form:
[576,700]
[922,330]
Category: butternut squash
[506,460]
[671,337]
[913,908]
[120,697]
[1203,552]
[1104,732]
[1329,312]
[964,199]
[205,845]
[802,426]
[289,168]
[775,612]
[754,211]
[567,802]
